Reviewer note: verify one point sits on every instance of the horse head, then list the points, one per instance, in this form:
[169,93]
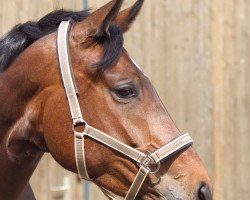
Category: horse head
[115,96]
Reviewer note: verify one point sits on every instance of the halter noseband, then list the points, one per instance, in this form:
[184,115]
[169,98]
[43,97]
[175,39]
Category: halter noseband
[145,161]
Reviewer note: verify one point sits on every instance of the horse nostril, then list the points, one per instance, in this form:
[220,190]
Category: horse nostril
[204,193]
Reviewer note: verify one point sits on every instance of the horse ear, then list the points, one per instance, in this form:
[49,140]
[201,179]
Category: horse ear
[126,17]
[109,17]
[100,20]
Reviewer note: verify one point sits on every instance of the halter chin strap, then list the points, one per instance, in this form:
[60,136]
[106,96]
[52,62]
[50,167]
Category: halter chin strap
[149,163]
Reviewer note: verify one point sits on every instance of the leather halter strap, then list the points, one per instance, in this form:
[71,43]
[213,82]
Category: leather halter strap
[145,161]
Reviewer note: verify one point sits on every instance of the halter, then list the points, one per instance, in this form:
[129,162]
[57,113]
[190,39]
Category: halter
[145,161]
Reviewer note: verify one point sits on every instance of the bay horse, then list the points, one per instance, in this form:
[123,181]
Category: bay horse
[120,125]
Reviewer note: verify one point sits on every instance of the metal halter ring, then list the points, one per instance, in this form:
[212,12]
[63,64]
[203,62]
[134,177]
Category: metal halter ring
[148,162]
[79,134]
[154,170]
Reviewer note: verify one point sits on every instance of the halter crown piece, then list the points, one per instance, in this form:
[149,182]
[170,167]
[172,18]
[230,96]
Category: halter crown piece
[145,161]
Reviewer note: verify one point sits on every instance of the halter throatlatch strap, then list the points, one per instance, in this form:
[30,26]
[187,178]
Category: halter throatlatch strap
[145,161]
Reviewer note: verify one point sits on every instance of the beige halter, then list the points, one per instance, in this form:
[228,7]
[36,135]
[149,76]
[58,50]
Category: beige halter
[145,161]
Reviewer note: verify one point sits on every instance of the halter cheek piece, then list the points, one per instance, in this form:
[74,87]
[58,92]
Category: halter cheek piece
[145,161]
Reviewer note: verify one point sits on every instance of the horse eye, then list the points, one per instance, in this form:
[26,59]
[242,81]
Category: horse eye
[126,91]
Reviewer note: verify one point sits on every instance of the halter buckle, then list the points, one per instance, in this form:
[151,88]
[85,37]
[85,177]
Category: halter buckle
[146,161]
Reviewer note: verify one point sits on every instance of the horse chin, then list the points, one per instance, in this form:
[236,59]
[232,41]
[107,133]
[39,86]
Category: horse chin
[110,195]
[171,189]
[173,193]
[148,196]
[155,188]
[168,195]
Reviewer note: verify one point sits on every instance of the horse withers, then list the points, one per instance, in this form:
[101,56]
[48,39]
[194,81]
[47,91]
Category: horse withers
[120,113]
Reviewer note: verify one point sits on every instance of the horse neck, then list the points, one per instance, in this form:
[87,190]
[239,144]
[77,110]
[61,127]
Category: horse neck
[14,98]
[14,175]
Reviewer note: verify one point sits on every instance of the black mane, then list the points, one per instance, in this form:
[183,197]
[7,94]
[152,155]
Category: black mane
[23,35]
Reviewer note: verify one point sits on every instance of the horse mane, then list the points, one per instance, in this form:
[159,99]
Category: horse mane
[23,35]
